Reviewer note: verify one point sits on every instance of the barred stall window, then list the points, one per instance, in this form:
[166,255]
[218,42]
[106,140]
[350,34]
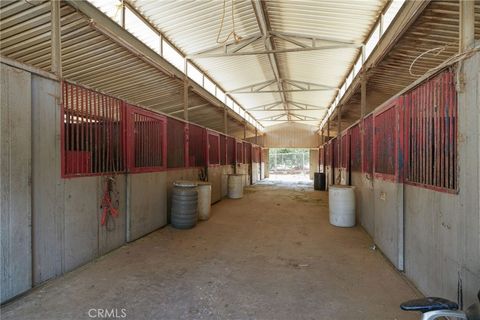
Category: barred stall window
[176,136]
[223,150]
[213,148]
[248,152]
[239,152]
[385,141]
[431,132]
[355,148]
[147,140]
[367,144]
[92,126]
[197,146]
[230,150]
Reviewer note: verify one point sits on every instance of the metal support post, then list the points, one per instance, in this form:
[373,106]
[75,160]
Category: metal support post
[467,25]
[56,41]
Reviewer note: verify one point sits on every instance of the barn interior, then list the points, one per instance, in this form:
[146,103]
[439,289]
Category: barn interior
[114,112]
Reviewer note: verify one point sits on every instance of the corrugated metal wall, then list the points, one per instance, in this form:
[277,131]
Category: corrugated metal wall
[291,135]
[427,227]
[15,182]
[51,225]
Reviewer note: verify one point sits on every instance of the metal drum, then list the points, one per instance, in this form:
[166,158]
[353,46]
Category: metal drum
[184,205]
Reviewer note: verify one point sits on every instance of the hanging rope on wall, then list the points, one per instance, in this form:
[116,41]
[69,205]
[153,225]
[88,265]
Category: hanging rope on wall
[109,210]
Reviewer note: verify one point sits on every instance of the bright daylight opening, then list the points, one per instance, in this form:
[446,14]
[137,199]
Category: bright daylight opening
[289,164]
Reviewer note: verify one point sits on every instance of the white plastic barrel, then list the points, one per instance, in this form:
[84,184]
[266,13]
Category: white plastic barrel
[235,186]
[342,205]
[204,200]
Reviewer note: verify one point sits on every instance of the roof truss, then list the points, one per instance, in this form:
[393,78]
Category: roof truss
[288,85]
[290,116]
[303,42]
[297,106]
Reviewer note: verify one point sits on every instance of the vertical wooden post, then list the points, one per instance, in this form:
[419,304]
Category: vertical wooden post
[328,129]
[339,120]
[363,95]
[244,130]
[225,120]
[185,92]
[467,25]
[363,111]
[339,136]
[56,41]
[122,9]
[185,100]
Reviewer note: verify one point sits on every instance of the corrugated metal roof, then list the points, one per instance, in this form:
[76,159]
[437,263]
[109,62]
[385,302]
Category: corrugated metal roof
[193,26]
[94,59]
[88,56]
[437,27]
[343,19]
[91,58]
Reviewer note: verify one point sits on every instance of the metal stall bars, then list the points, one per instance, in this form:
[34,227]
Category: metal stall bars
[248,152]
[230,146]
[223,149]
[367,145]
[431,134]
[147,140]
[176,143]
[355,148]
[388,192]
[388,141]
[197,146]
[91,132]
[213,146]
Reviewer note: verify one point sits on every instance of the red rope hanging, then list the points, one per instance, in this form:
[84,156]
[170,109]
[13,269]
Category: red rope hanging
[108,208]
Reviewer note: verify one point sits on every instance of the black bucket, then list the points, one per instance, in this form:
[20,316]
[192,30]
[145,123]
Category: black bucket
[319,181]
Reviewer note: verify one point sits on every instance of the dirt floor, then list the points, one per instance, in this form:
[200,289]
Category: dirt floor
[270,255]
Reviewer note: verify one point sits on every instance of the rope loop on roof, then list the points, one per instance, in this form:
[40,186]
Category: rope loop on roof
[236,37]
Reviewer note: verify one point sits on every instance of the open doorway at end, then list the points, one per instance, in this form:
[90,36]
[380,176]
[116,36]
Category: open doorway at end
[289,164]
